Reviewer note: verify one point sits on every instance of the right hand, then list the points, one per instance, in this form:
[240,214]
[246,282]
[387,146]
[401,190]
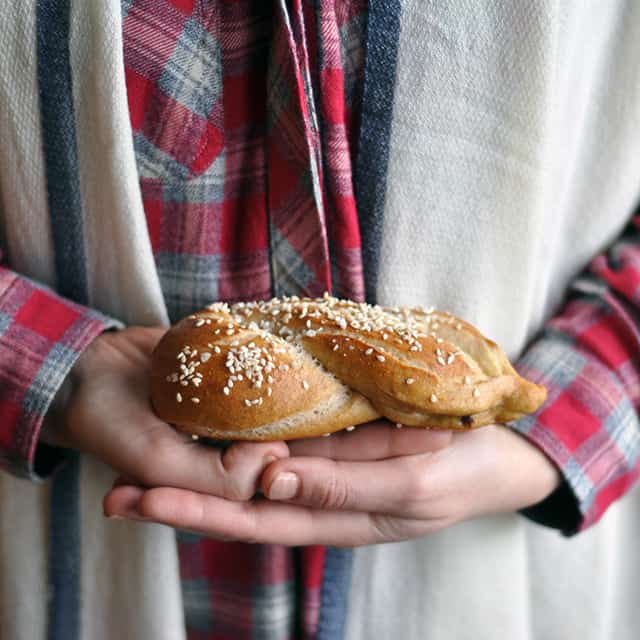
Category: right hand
[108,414]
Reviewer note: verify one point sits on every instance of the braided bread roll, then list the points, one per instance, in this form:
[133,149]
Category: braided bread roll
[297,367]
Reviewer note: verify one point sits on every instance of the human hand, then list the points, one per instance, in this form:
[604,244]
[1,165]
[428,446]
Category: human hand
[107,414]
[377,484]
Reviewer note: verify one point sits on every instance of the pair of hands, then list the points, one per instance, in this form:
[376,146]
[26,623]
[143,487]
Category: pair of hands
[375,484]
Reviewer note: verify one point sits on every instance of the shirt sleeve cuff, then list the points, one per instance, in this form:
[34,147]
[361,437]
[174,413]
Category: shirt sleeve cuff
[41,337]
[588,427]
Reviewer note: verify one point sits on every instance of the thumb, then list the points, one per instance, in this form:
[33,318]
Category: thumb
[233,474]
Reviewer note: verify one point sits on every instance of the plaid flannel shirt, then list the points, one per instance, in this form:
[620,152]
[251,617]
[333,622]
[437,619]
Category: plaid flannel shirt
[231,170]
[244,116]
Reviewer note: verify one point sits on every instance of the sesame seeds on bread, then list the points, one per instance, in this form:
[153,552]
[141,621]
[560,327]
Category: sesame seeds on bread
[295,367]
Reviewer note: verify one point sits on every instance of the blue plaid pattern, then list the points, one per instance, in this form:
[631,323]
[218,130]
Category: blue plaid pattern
[193,74]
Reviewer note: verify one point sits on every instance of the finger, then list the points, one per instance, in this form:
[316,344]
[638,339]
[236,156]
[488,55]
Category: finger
[272,523]
[398,486]
[233,473]
[373,441]
[121,502]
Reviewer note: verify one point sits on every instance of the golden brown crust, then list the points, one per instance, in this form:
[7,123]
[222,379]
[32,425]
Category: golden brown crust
[292,368]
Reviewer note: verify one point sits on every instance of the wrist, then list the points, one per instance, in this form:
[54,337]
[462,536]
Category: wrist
[541,473]
[54,431]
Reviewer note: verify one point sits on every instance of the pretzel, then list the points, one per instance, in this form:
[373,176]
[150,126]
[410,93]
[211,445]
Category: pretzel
[294,367]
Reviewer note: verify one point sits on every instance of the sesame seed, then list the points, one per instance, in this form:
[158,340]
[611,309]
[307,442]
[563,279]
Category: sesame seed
[409,381]
[179,397]
[248,402]
[305,385]
[204,356]
[451,358]
[326,435]
[195,437]
[351,428]
[336,347]
[476,392]
[441,360]
[439,340]
[195,400]
[368,352]
[269,391]
[226,391]
[398,425]
[199,322]
[380,358]
[434,398]
[217,349]
[467,380]
[230,332]
[458,326]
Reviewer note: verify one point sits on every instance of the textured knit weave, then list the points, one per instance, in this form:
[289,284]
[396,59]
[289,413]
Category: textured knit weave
[593,338]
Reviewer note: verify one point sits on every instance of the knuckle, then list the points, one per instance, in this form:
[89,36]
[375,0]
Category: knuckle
[232,457]
[386,529]
[420,486]
[238,490]
[332,493]
[253,529]
[238,483]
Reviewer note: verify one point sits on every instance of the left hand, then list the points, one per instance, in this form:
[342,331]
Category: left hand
[375,484]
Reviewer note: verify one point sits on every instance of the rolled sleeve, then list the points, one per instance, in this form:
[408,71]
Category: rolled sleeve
[588,426]
[41,337]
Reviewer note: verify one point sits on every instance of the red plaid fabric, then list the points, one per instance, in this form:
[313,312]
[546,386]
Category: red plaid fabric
[239,192]
[589,359]
[41,336]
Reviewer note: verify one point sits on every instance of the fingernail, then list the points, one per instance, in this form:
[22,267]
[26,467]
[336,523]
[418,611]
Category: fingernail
[284,487]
